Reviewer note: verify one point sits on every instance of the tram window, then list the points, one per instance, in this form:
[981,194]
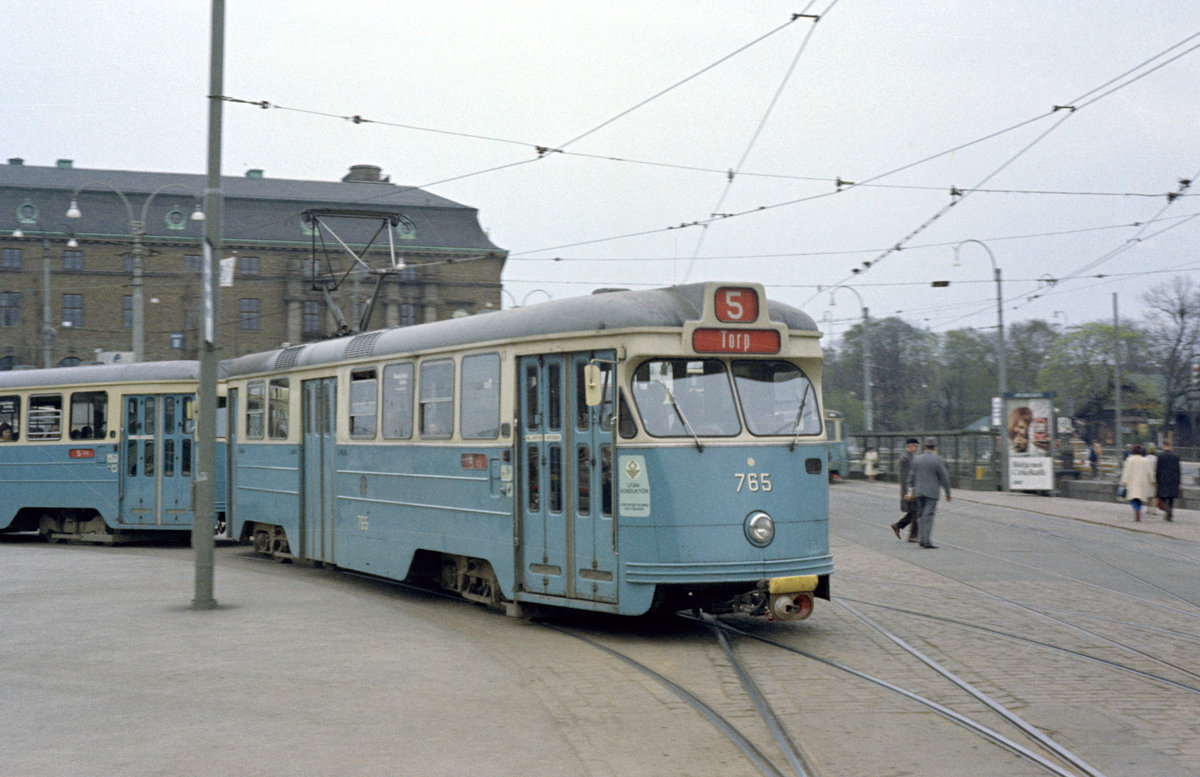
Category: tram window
[682,397]
[479,397]
[168,415]
[277,405]
[148,459]
[168,468]
[188,416]
[88,412]
[606,480]
[556,479]
[45,417]
[604,412]
[132,424]
[777,398]
[131,456]
[555,399]
[255,401]
[150,416]
[364,402]
[625,418]
[533,475]
[185,458]
[398,401]
[583,479]
[10,418]
[437,398]
[532,421]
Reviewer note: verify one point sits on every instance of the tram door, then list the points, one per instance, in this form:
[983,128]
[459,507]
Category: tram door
[567,533]
[157,460]
[317,469]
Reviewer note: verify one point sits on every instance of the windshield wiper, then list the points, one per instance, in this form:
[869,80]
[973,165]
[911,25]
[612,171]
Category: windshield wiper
[683,418]
[800,416]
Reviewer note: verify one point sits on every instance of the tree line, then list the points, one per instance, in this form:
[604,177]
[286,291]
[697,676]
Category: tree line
[926,380]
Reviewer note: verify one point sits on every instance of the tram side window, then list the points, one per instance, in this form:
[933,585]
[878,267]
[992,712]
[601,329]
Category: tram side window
[10,418]
[437,399]
[398,401]
[777,398]
[89,411]
[364,401]
[625,418]
[277,407]
[479,396]
[45,417]
[255,406]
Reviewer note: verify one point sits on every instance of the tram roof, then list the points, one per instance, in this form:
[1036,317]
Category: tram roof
[654,308]
[87,374]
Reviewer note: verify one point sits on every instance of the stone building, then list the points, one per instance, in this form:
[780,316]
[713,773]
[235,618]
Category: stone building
[73,240]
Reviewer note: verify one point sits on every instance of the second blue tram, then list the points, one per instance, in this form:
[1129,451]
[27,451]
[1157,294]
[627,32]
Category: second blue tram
[101,453]
[620,452]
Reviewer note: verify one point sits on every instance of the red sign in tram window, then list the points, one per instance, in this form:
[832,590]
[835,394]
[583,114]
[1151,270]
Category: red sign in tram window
[82,453]
[735,341]
[474,461]
[737,305]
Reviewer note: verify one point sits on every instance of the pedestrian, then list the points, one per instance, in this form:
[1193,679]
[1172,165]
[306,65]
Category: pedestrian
[871,464]
[1137,479]
[927,474]
[1166,476]
[908,503]
[1094,459]
[1152,460]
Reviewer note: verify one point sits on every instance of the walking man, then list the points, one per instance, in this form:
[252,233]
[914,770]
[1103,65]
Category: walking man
[1167,479]
[908,502]
[927,475]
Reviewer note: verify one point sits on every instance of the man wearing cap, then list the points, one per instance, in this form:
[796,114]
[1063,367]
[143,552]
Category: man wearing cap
[908,502]
[927,474]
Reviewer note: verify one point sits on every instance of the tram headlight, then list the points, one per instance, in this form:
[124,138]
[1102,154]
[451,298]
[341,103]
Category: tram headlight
[760,529]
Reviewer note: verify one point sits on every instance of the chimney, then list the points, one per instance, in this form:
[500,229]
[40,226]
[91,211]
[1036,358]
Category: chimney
[363,174]
[254,173]
[66,164]
[16,160]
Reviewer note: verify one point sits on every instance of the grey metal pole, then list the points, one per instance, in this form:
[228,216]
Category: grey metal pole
[1118,437]
[203,526]
[139,306]
[47,327]
[1001,351]
[869,413]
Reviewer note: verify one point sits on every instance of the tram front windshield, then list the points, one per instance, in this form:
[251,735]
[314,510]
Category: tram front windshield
[686,397]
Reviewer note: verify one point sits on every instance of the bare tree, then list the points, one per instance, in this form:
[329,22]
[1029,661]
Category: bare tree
[1173,341]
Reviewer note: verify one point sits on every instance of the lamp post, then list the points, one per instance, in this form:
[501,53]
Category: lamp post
[137,228]
[1001,359]
[868,410]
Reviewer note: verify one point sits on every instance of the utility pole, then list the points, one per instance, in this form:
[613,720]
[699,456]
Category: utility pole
[1117,436]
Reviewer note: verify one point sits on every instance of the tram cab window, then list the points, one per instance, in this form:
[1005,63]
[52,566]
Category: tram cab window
[255,408]
[479,397]
[364,402]
[45,417]
[681,397]
[10,418]
[398,401]
[437,398]
[777,398]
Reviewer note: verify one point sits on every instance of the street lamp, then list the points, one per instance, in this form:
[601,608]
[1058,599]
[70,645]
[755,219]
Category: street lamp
[868,410]
[137,228]
[999,311]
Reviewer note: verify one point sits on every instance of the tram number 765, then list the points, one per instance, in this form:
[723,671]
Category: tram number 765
[753,481]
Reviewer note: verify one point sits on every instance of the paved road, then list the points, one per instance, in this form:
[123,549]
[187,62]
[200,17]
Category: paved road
[105,670]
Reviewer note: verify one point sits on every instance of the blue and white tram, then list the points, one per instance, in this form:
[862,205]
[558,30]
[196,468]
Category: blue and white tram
[100,453]
[621,452]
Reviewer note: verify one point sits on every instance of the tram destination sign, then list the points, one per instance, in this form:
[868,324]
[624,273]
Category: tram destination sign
[714,340]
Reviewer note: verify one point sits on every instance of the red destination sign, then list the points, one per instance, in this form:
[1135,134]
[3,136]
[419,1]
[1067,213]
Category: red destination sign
[737,305]
[82,453]
[735,341]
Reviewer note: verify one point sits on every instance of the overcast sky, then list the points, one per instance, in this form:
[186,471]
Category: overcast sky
[647,107]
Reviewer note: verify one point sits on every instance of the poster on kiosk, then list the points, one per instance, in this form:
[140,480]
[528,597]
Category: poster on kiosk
[1030,441]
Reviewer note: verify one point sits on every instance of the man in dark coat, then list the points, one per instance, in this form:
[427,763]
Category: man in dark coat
[926,478]
[908,503]
[1166,475]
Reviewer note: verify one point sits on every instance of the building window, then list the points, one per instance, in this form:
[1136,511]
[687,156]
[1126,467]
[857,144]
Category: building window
[10,259]
[10,308]
[128,263]
[127,312]
[72,309]
[312,319]
[72,260]
[192,263]
[249,315]
[408,314]
[248,266]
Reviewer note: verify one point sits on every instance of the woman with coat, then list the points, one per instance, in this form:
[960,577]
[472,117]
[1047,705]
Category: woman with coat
[1138,480]
[1166,475]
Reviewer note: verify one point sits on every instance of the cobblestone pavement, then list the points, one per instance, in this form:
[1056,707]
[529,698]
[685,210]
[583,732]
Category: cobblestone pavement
[105,670]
